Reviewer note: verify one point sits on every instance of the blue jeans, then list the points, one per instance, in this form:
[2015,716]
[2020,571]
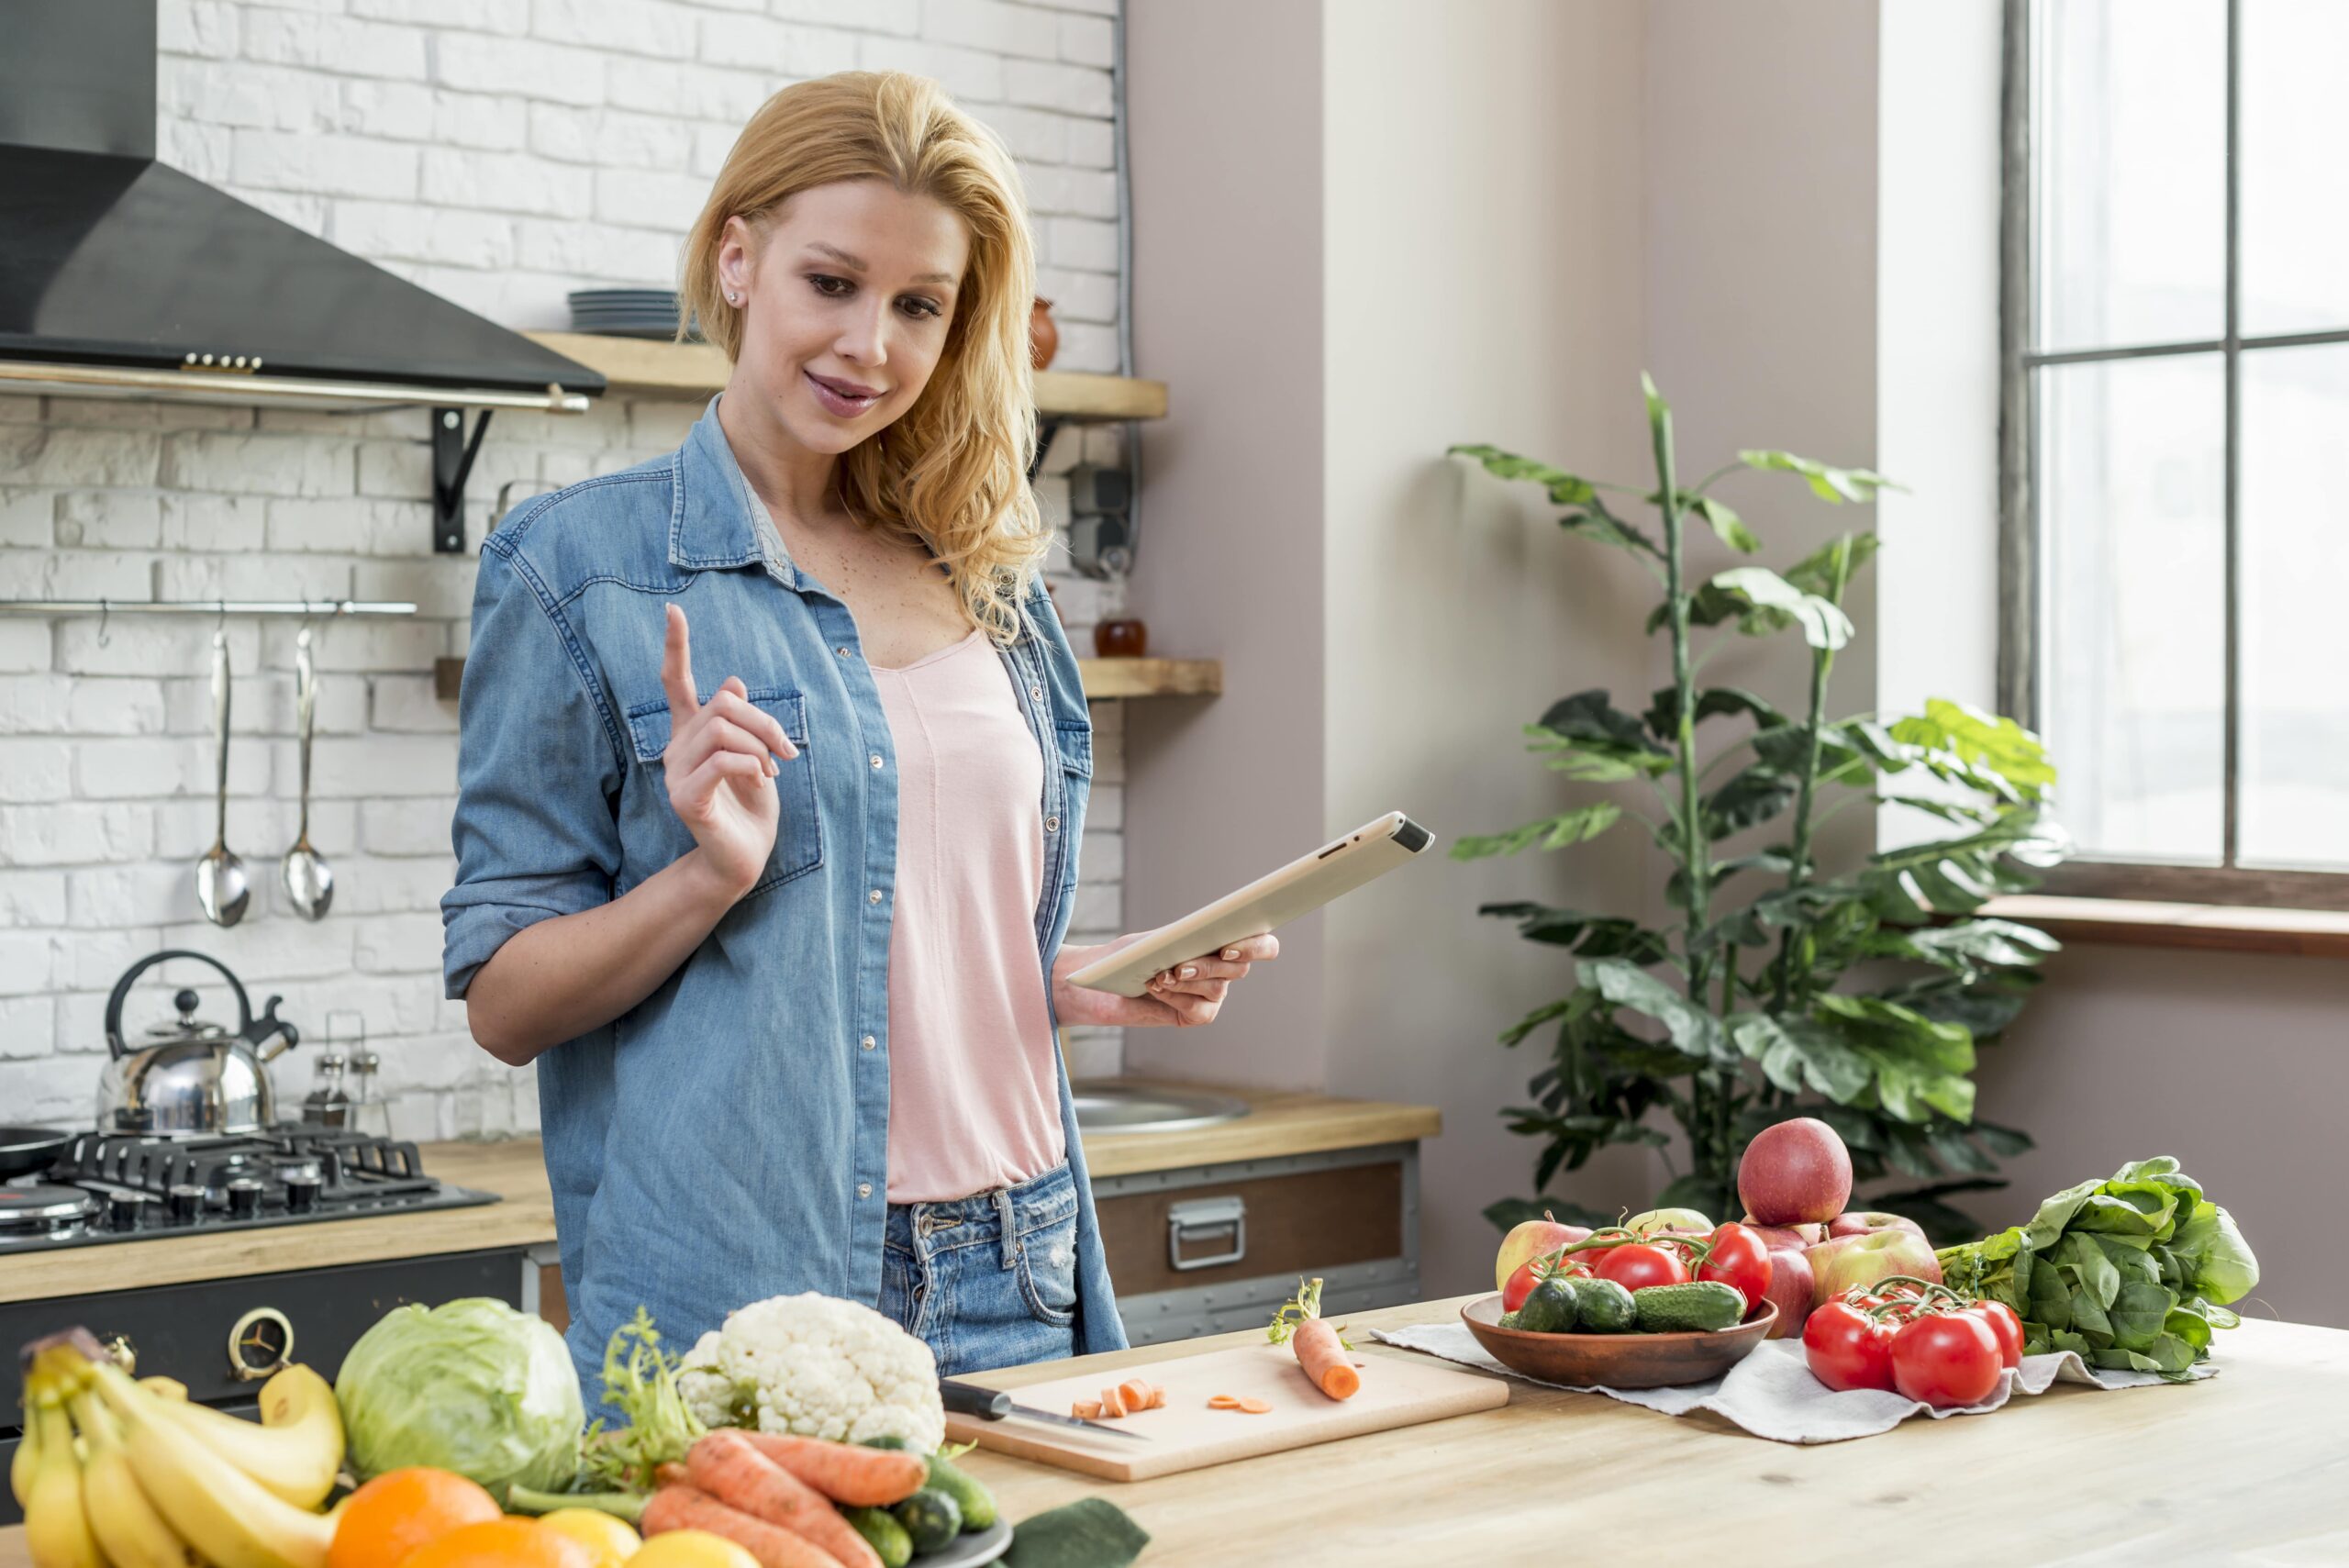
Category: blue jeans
[988,1279]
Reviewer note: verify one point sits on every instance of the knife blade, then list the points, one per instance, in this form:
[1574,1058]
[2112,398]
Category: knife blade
[993,1405]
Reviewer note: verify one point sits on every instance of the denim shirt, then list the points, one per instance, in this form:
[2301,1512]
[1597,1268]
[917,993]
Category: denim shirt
[725,1138]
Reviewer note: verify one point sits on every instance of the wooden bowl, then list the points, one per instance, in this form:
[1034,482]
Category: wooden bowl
[1616,1360]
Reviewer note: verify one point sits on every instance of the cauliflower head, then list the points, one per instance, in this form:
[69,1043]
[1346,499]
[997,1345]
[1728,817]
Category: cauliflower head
[817,1366]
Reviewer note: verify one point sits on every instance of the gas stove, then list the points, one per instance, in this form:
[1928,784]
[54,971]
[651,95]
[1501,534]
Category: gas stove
[134,1187]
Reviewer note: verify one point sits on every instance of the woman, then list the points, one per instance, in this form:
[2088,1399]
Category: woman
[787,947]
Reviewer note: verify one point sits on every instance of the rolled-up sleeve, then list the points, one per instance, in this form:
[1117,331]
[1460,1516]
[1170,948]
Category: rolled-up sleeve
[536,829]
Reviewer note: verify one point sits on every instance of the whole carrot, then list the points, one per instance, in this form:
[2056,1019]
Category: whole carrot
[1318,1348]
[846,1473]
[690,1508]
[729,1467]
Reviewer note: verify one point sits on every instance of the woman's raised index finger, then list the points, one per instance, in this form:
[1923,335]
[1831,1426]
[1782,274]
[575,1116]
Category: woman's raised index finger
[677,669]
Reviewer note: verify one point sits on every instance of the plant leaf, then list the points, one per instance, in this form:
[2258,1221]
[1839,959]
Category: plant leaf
[1594,521]
[1662,716]
[1778,603]
[1550,833]
[1727,525]
[1985,741]
[1796,1054]
[1594,936]
[1565,489]
[1832,484]
[1693,1031]
[1755,796]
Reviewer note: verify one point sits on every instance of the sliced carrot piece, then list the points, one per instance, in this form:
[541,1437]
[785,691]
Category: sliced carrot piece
[1113,1404]
[1157,1397]
[1086,1409]
[1135,1393]
[1223,1402]
[1255,1406]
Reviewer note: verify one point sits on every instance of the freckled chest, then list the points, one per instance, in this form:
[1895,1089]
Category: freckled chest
[906,609]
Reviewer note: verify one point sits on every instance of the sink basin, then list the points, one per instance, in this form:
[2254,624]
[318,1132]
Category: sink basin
[1105,1106]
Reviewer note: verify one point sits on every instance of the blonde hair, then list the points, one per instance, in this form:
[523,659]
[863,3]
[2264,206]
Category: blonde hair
[953,470]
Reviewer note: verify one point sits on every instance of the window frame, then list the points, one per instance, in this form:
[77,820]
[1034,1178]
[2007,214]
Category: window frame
[2228,882]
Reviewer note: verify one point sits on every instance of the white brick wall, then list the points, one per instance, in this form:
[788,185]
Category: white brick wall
[500,153]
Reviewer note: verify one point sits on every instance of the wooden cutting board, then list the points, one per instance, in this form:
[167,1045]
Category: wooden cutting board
[1397,1391]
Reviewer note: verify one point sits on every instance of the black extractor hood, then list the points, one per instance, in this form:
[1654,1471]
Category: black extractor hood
[121,276]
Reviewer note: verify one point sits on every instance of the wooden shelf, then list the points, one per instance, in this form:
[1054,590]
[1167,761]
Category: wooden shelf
[1104,678]
[2315,933]
[648,367]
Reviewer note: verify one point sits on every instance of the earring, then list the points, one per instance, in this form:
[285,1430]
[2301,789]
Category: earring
[733,299]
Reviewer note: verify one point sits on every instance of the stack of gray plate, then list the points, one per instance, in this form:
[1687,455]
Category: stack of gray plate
[625,313]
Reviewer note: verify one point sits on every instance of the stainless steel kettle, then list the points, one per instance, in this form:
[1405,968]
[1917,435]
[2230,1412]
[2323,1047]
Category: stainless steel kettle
[191,1077]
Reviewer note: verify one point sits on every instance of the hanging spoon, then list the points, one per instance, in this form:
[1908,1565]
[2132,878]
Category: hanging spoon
[220,885]
[310,880]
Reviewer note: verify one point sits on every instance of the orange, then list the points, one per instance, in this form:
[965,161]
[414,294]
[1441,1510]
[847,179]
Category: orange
[400,1510]
[502,1543]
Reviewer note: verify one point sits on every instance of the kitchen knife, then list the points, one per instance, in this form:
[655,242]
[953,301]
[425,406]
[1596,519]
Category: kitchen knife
[993,1405]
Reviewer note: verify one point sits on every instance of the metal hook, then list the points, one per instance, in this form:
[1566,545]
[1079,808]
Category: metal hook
[106,610]
[222,625]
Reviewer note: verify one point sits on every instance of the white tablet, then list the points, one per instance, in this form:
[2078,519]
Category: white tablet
[1299,888]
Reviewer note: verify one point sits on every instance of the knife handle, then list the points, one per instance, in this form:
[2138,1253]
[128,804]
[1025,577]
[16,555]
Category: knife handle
[970,1399]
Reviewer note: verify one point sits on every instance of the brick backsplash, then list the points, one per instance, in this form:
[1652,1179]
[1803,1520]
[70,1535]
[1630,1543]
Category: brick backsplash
[500,152]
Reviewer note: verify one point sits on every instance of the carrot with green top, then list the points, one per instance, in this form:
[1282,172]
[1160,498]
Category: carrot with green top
[1319,1348]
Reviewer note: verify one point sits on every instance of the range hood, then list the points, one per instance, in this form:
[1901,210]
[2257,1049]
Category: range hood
[120,276]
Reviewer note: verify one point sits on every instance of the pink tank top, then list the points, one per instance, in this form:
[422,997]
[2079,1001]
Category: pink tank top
[974,1092]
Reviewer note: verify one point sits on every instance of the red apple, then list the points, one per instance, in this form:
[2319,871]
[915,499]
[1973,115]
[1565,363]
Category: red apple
[1529,1242]
[1865,1221]
[1790,1290]
[1779,1237]
[1797,1173]
[1846,1260]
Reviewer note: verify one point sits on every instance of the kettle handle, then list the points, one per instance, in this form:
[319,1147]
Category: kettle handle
[130,976]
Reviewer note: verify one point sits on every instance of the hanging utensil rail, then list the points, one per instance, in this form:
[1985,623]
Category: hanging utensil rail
[311,608]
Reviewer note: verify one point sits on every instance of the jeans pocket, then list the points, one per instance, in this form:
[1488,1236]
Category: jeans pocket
[1047,1270]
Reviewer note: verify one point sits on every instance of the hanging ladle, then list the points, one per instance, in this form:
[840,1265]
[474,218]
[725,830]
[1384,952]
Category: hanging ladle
[310,880]
[220,885]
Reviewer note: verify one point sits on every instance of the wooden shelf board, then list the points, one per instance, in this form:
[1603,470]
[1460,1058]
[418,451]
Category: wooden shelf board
[1104,678]
[645,367]
[2315,933]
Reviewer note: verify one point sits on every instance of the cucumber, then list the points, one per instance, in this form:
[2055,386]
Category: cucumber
[1604,1306]
[886,1439]
[1678,1308]
[1550,1309]
[976,1502]
[931,1517]
[885,1535]
[1508,1319]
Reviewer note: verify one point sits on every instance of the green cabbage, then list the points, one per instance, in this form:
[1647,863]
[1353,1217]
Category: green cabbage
[473,1386]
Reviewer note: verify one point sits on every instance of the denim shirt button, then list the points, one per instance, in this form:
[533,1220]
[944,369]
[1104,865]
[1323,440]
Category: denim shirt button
[842,650]
[1036,691]
[867,1042]
[1052,824]
[876,759]
[864,1189]
[874,896]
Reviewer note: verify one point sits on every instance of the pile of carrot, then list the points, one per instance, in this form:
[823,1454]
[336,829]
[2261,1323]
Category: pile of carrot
[772,1495]
[1123,1400]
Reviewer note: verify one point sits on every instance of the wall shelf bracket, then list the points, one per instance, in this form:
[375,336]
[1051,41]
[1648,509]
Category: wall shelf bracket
[452,462]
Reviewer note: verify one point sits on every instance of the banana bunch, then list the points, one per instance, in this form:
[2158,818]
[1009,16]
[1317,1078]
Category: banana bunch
[153,1480]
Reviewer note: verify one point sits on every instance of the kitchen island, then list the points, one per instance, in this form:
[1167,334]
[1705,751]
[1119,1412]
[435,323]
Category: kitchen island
[2247,1467]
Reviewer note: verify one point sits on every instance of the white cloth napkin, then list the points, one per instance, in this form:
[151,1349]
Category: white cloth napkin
[1772,1394]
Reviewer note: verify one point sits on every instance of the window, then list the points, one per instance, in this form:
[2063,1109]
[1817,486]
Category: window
[2174,550]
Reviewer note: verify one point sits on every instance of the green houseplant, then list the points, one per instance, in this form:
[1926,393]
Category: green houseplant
[1777,988]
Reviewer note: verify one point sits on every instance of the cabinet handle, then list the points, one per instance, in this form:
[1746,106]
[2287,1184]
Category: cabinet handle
[1207,1215]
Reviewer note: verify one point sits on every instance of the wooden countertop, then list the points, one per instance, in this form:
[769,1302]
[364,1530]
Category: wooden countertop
[1278,1124]
[2246,1467]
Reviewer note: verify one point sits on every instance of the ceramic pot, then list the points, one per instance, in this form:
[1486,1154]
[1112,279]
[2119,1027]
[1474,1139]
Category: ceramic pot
[1043,335]
[1121,639]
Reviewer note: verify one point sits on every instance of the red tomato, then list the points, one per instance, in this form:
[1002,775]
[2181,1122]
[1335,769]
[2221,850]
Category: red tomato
[1845,1350]
[1739,1258]
[1945,1359]
[2004,1328]
[1635,1265]
[1520,1285]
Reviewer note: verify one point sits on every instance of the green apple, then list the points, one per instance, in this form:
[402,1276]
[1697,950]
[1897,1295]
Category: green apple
[1655,1221]
[1845,1261]
[1530,1241]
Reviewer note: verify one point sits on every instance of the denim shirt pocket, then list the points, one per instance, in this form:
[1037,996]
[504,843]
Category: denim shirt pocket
[799,835]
